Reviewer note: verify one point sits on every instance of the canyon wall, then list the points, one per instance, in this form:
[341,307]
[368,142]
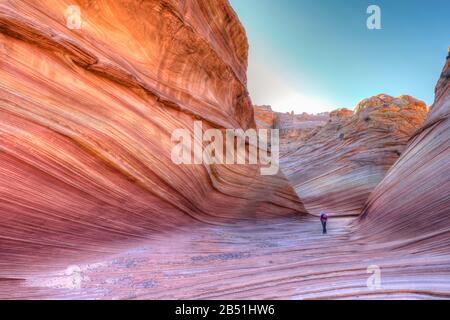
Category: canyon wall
[334,167]
[413,200]
[86,116]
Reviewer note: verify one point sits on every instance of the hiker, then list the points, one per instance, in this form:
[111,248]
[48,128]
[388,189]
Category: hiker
[323,219]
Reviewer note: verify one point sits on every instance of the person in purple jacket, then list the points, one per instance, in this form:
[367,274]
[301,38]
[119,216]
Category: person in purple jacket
[323,219]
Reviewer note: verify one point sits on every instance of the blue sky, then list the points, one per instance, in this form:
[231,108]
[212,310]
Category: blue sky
[318,55]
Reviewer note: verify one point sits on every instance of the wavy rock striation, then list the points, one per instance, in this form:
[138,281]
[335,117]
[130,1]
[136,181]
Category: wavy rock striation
[93,207]
[86,117]
[336,166]
[413,200]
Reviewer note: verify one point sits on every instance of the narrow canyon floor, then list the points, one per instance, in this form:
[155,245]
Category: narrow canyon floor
[285,258]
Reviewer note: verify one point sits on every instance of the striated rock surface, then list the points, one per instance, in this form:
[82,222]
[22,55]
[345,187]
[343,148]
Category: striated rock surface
[336,166]
[86,117]
[413,200]
[286,258]
[92,206]
[341,114]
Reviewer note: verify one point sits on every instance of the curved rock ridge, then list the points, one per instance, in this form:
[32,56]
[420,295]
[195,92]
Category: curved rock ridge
[336,166]
[86,117]
[412,202]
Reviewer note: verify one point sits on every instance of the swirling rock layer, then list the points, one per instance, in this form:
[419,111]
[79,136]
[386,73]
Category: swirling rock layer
[284,258]
[336,166]
[86,117]
[413,200]
[92,206]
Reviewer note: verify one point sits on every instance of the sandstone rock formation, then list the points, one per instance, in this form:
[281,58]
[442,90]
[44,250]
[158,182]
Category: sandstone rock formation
[265,117]
[86,117]
[266,259]
[293,128]
[341,114]
[93,207]
[337,165]
[413,200]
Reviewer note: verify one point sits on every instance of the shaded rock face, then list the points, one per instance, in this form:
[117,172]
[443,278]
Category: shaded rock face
[336,166]
[86,117]
[413,200]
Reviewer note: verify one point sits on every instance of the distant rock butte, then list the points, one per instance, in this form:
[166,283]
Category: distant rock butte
[86,118]
[413,201]
[341,114]
[264,117]
[293,128]
[336,162]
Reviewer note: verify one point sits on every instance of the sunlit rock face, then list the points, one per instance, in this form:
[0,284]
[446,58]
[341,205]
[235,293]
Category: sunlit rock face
[413,200]
[86,117]
[340,114]
[337,165]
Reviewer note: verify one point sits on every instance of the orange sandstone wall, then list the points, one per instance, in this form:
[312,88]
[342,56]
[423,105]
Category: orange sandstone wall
[86,118]
[413,200]
[336,166]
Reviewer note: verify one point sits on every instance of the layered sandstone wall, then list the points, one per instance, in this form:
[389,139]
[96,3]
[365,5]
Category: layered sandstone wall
[86,117]
[335,167]
[413,201]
